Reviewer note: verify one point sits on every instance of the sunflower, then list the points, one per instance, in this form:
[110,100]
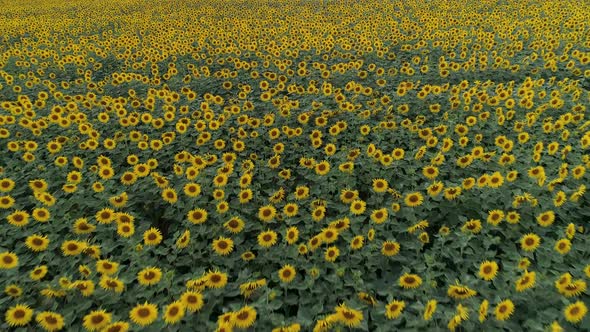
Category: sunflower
[96,320]
[18,218]
[329,235]
[152,237]
[331,254]
[483,310]
[546,218]
[128,178]
[144,314]
[6,202]
[348,195]
[38,272]
[380,185]
[114,284]
[50,321]
[473,226]
[390,248]
[86,287]
[460,292]
[526,281]
[410,281]
[563,246]
[223,246]
[430,172]
[220,180]
[116,327]
[267,213]
[452,193]
[234,225]
[193,301]
[291,209]
[37,242]
[394,309]
[435,188]
[495,180]
[348,316]
[197,216]
[575,312]
[488,270]
[413,199]
[357,207]
[504,310]
[245,317]
[216,279]
[322,168]
[357,242]
[105,216]
[530,242]
[174,312]
[267,238]
[13,290]
[513,217]
[192,189]
[287,273]
[495,217]
[106,267]
[6,185]
[37,185]
[18,315]
[81,226]
[379,216]
[149,276]
[41,214]
[169,195]
[429,309]
[125,230]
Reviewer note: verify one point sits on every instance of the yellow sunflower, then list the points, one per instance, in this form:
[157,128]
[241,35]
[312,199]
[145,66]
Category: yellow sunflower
[287,273]
[504,310]
[245,317]
[149,276]
[410,281]
[50,321]
[394,309]
[348,316]
[575,312]
[174,312]
[197,216]
[414,199]
[152,237]
[96,320]
[144,314]
[223,246]
[193,301]
[488,270]
[18,315]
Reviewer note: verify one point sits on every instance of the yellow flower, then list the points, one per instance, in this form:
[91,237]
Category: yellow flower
[174,312]
[96,320]
[287,273]
[575,312]
[394,309]
[223,246]
[18,315]
[50,321]
[504,310]
[410,281]
[144,314]
[413,199]
[488,270]
[149,276]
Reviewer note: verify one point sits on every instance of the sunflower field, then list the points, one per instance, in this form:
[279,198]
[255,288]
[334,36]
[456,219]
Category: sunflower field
[284,166]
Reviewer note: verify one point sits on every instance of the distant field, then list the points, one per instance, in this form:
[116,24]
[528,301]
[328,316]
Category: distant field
[294,165]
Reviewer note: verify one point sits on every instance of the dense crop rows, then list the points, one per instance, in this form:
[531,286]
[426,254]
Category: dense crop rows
[294,165]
